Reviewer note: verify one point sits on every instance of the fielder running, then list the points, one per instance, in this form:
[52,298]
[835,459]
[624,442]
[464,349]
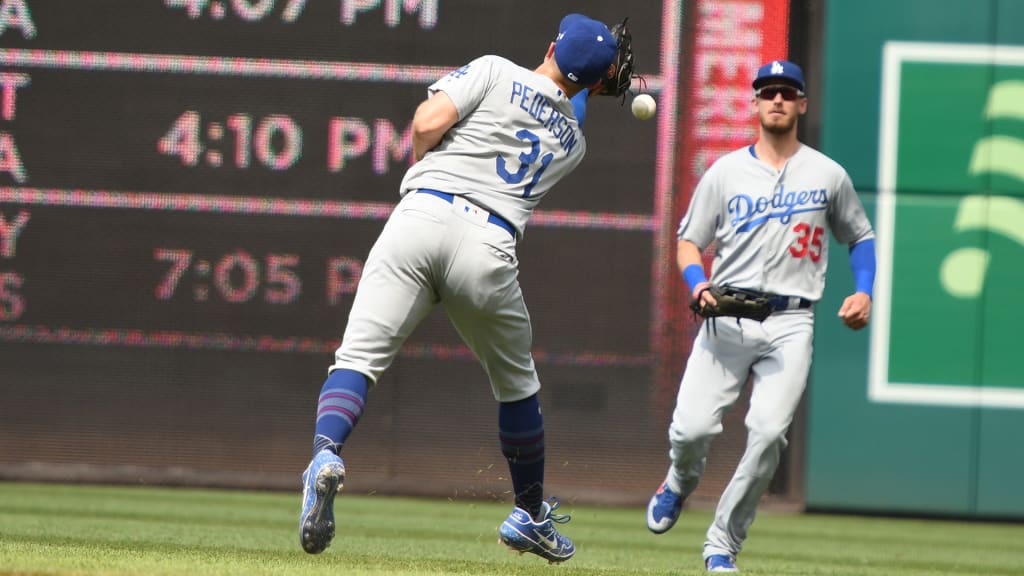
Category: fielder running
[491,140]
[768,208]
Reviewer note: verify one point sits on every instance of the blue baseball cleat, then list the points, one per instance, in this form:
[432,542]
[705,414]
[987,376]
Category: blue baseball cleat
[663,509]
[520,533]
[321,481]
[720,563]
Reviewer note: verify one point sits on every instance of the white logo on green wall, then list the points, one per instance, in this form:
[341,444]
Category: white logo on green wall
[950,222]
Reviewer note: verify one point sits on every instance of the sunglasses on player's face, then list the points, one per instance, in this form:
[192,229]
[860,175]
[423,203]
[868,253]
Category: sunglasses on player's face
[789,93]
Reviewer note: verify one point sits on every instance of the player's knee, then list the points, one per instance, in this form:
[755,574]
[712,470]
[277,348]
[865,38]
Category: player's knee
[694,431]
[769,437]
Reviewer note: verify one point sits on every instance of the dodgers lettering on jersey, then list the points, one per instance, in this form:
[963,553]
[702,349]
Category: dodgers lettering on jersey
[516,137]
[771,227]
[748,212]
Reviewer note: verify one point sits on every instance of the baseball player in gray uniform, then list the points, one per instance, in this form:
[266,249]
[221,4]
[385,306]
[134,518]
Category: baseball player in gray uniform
[768,208]
[491,140]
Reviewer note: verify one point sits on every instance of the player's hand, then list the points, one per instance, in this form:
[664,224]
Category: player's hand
[701,291]
[856,310]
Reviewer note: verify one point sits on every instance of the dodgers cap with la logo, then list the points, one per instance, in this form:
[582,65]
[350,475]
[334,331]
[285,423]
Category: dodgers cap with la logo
[584,49]
[780,71]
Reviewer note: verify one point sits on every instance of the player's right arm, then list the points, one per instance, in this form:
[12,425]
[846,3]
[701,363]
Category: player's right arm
[697,229]
[433,117]
[691,265]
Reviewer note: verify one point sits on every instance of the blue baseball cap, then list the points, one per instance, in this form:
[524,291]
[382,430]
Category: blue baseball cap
[584,49]
[780,70]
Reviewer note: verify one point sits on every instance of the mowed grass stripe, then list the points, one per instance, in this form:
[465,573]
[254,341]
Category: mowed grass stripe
[98,530]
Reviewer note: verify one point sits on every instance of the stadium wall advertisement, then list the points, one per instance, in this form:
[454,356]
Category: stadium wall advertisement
[925,413]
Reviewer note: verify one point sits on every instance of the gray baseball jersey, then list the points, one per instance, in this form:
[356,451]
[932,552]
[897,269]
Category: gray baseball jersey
[516,137]
[771,226]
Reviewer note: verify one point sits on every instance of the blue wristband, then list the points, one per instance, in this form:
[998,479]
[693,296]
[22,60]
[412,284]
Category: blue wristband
[694,274]
[862,263]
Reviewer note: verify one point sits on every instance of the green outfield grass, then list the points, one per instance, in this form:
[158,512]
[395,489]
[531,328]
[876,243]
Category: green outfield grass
[87,530]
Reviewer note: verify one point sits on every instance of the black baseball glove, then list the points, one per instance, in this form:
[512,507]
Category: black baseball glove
[618,83]
[732,302]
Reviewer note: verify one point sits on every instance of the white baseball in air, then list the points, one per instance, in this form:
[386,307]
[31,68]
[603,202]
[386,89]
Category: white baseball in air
[644,106]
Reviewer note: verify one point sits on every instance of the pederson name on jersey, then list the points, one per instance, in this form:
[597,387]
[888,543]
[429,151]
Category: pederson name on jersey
[538,106]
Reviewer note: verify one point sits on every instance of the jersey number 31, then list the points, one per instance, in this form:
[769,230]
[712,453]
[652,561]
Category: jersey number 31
[526,160]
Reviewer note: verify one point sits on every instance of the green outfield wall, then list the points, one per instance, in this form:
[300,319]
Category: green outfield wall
[924,412]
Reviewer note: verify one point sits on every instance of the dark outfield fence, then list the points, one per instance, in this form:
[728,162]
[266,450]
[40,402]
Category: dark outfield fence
[186,200]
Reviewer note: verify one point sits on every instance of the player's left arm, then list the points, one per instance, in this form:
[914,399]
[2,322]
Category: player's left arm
[579,106]
[850,225]
[433,118]
[856,308]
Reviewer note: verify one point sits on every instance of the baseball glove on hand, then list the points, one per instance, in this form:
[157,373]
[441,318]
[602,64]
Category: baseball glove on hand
[732,302]
[618,83]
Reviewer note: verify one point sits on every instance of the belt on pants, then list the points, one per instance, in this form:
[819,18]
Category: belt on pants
[779,302]
[491,217]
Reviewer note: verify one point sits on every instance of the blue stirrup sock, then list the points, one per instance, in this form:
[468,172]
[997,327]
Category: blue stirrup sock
[521,431]
[340,406]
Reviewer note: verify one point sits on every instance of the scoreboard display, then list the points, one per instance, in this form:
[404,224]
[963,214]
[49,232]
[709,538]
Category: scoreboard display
[188,191]
[179,167]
